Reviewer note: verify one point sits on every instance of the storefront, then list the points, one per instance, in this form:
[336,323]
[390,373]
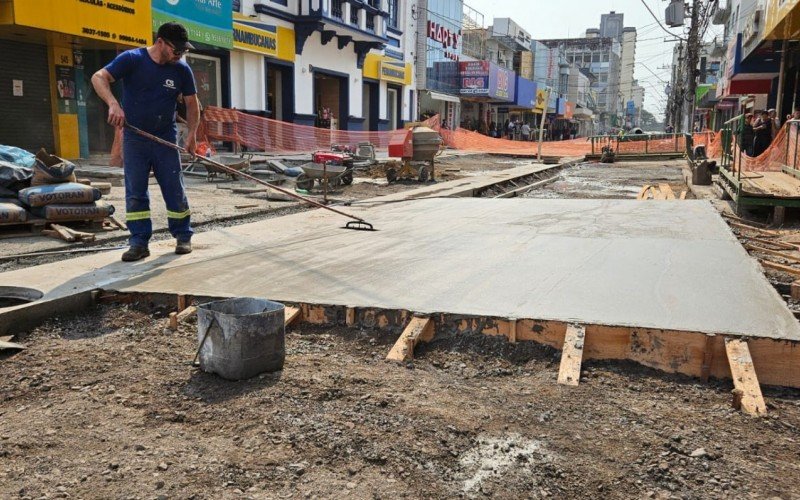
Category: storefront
[210,29]
[387,77]
[751,76]
[490,90]
[51,48]
[262,66]
[438,76]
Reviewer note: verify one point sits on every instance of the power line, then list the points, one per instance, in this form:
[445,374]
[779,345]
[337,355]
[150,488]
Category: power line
[659,21]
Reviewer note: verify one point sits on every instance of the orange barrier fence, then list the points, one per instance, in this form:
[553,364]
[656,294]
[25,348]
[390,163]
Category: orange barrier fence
[273,136]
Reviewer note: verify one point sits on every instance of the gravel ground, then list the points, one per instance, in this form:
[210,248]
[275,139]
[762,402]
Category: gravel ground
[106,405]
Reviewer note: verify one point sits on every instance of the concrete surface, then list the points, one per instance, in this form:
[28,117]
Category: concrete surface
[669,265]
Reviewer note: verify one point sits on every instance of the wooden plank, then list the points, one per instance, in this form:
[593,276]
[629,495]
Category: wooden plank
[667,190]
[350,316]
[643,192]
[744,376]
[708,357]
[779,267]
[779,244]
[117,222]
[63,233]
[768,251]
[291,315]
[512,331]
[765,232]
[11,345]
[418,329]
[743,221]
[659,194]
[683,195]
[189,311]
[571,355]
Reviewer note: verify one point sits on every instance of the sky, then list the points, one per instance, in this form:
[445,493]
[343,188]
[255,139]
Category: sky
[545,19]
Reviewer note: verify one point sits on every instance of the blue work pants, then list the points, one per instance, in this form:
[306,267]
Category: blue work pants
[140,156]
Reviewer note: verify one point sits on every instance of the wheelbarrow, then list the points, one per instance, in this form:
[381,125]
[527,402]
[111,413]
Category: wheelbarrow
[315,172]
[199,168]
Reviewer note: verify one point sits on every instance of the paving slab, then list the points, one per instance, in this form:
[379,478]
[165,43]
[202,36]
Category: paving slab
[666,265]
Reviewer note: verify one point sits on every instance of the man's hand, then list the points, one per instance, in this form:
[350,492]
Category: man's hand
[191,144]
[116,116]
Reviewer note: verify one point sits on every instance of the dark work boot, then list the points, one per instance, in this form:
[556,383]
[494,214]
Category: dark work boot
[183,247]
[135,253]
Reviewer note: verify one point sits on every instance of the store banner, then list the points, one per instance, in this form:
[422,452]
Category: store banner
[262,38]
[502,85]
[782,19]
[561,106]
[126,22]
[526,93]
[569,110]
[207,21]
[474,77]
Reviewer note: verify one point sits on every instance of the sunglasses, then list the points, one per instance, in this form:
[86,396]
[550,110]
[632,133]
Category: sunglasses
[175,51]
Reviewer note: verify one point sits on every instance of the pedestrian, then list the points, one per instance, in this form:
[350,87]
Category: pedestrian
[526,132]
[776,123]
[763,134]
[747,135]
[153,78]
[510,130]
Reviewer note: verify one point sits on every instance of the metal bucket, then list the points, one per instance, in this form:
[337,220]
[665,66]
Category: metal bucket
[243,337]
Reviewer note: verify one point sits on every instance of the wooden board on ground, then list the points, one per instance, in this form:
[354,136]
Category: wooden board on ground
[667,191]
[10,345]
[744,376]
[571,355]
[771,185]
[418,329]
[291,314]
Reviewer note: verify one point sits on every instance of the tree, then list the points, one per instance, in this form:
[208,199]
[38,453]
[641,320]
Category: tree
[649,121]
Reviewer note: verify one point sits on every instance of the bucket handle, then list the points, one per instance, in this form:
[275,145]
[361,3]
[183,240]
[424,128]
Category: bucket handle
[203,342]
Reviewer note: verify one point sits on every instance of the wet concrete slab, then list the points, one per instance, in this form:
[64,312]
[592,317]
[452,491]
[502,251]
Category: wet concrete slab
[667,265]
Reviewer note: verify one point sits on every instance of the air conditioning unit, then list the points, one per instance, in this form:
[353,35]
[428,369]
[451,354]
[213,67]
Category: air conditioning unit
[675,14]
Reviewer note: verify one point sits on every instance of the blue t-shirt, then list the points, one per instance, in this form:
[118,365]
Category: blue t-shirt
[150,90]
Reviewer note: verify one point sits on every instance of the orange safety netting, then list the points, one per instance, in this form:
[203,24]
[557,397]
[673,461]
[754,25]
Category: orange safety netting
[263,134]
[783,151]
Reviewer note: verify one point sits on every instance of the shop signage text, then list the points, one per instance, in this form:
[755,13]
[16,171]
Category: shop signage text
[118,21]
[393,72]
[449,39]
[207,21]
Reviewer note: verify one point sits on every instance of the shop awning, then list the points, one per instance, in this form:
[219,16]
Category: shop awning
[438,96]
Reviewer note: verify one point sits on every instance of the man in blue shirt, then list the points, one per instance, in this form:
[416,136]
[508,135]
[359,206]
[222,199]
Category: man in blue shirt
[153,77]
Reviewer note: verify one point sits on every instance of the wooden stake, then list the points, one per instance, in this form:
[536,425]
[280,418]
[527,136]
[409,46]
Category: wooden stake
[117,222]
[744,377]
[683,195]
[643,192]
[708,357]
[667,190]
[571,355]
[291,314]
[189,311]
[418,329]
[173,321]
[512,331]
[350,316]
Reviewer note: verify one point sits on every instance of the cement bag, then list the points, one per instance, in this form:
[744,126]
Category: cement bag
[50,169]
[52,194]
[14,177]
[10,211]
[91,211]
[17,156]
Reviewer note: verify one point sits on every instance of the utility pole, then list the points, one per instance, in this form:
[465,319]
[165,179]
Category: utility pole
[692,59]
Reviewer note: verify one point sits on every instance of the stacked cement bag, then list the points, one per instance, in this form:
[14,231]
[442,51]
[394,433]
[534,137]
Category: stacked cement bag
[54,195]
[16,172]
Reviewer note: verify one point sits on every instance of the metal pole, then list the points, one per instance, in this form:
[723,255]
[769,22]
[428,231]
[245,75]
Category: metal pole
[781,81]
[541,125]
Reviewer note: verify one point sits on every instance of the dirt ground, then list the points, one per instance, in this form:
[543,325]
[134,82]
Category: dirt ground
[614,181]
[107,405]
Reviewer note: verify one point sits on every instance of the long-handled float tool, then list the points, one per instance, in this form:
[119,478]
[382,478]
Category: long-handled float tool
[356,222]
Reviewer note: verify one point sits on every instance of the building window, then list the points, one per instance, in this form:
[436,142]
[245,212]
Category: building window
[336,9]
[393,11]
[236,5]
[353,14]
[370,22]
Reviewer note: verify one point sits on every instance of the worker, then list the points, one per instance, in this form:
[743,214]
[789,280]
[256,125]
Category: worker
[154,76]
